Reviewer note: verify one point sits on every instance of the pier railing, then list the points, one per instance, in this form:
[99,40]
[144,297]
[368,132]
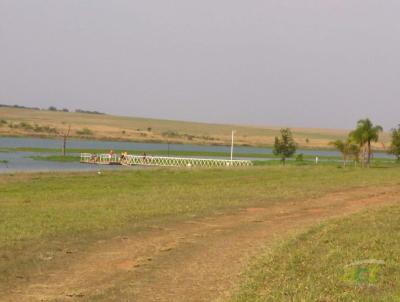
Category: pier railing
[108,159]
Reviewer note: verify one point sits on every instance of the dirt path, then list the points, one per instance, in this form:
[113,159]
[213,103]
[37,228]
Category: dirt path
[199,260]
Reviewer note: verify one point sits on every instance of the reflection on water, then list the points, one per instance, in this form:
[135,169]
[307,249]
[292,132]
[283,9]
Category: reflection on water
[18,161]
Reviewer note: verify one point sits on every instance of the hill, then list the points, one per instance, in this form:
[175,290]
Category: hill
[48,123]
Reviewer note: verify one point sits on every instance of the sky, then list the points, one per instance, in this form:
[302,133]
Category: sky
[304,63]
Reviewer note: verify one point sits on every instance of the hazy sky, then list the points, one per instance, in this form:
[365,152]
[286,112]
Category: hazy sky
[320,63]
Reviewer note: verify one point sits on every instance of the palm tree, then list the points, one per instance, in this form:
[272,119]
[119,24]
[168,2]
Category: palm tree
[354,151]
[365,133]
[341,146]
[347,148]
[395,145]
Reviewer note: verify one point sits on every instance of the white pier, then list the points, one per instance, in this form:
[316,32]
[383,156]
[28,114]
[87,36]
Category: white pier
[162,161]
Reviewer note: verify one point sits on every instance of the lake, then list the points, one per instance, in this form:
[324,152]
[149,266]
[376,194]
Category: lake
[18,161]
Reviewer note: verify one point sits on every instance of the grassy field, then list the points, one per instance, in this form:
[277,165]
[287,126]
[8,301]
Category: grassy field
[58,211]
[43,123]
[351,259]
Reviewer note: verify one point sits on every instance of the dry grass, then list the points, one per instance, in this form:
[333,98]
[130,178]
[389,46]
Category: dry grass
[154,130]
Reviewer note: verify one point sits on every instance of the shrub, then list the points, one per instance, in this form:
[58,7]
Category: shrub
[170,133]
[207,138]
[85,131]
[46,129]
[25,126]
[300,157]
[88,111]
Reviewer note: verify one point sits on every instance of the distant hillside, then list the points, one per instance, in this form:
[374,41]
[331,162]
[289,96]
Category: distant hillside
[51,108]
[17,121]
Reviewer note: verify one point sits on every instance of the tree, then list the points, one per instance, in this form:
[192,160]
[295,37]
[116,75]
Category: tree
[284,146]
[65,136]
[341,147]
[395,144]
[347,148]
[365,133]
[354,152]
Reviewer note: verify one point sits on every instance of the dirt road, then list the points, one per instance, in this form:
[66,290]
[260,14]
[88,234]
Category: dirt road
[198,260]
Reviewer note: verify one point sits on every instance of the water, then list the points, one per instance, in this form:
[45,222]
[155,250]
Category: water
[18,161]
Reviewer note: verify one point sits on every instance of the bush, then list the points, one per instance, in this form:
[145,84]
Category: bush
[35,127]
[189,136]
[170,133]
[85,131]
[88,111]
[207,138]
[50,130]
[25,126]
[46,129]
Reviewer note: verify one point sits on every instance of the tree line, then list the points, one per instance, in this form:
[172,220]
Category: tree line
[51,108]
[357,146]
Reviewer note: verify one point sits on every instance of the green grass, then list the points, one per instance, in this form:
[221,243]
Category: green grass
[327,161]
[321,264]
[138,195]
[3,161]
[43,212]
